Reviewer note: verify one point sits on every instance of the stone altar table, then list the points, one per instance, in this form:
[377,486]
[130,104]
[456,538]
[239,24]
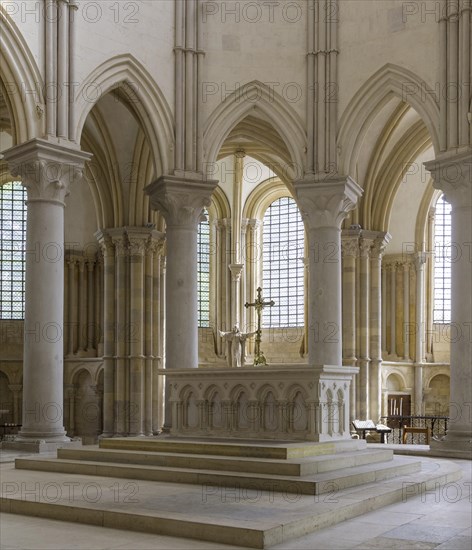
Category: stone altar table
[288,402]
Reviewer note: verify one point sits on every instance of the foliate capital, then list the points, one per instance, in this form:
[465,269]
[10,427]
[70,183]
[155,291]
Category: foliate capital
[380,244]
[181,200]
[452,174]
[326,203]
[46,169]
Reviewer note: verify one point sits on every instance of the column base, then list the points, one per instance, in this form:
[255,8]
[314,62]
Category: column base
[39,445]
[456,444]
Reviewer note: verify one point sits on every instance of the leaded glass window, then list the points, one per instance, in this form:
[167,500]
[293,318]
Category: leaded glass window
[12,250]
[442,262]
[204,272]
[283,264]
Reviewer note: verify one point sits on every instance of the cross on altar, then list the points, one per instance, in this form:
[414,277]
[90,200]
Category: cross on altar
[259,305]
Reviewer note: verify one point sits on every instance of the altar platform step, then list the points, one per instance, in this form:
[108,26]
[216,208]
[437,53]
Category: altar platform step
[314,484]
[290,467]
[242,517]
[238,448]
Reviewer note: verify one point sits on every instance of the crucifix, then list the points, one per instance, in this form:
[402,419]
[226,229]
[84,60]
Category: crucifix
[259,305]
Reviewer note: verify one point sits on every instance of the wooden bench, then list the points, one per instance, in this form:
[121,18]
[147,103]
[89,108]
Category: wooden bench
[411,430]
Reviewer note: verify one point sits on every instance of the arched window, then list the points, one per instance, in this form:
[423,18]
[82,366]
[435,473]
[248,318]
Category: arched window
[283,268]
[204,272]
[12,250]
[442,262]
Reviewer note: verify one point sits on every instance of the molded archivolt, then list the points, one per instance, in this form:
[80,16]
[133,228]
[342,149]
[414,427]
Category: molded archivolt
[270,105]
[19,75]
[263,196]
[369,100]
[383,188]
[144,97]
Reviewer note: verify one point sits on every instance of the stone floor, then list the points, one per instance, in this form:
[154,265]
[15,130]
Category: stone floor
[441,519]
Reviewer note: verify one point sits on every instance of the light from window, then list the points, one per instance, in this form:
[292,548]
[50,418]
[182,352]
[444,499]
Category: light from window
[283,267]
[12,250]
[204,272]
[442,262]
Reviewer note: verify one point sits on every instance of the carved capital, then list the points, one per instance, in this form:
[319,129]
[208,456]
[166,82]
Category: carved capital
[181,200]
[105,243]
[380,244]
[350,247]
[326,203]
[236,270]
[46,169]
[452,173]
[420,260]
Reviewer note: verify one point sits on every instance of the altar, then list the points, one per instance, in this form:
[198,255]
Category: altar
[284,402]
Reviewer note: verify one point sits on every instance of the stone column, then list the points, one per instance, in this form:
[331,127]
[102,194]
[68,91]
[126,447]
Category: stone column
[236,270]
[406,310]
[393,309]
[420,261]
[376,305]
[181,201]
[82,307]
[16,390]
[108,299]
[70,395]
[47,170]
[453,174]
[350,252]
[137,238]
[253,259]
[363,361]
[71,261]
[324,205]
[91,296]
[119,340]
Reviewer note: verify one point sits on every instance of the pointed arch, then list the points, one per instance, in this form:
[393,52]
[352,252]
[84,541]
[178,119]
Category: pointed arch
[239,105]
[147,101]
[372,96]
[19,76]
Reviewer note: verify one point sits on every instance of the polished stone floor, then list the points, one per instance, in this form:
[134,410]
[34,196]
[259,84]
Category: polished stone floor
[440,519]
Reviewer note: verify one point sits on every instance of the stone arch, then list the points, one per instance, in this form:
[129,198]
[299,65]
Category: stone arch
[189,407]
[263,196]
[19,72]
[437,393]
[267,397]
[146,100]
[239,398]
[297,397]
[395,381]
[369,100]
[274,108]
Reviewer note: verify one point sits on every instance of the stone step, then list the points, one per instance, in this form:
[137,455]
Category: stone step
[240,448]
[307,485]
[291,467]
[256,519]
